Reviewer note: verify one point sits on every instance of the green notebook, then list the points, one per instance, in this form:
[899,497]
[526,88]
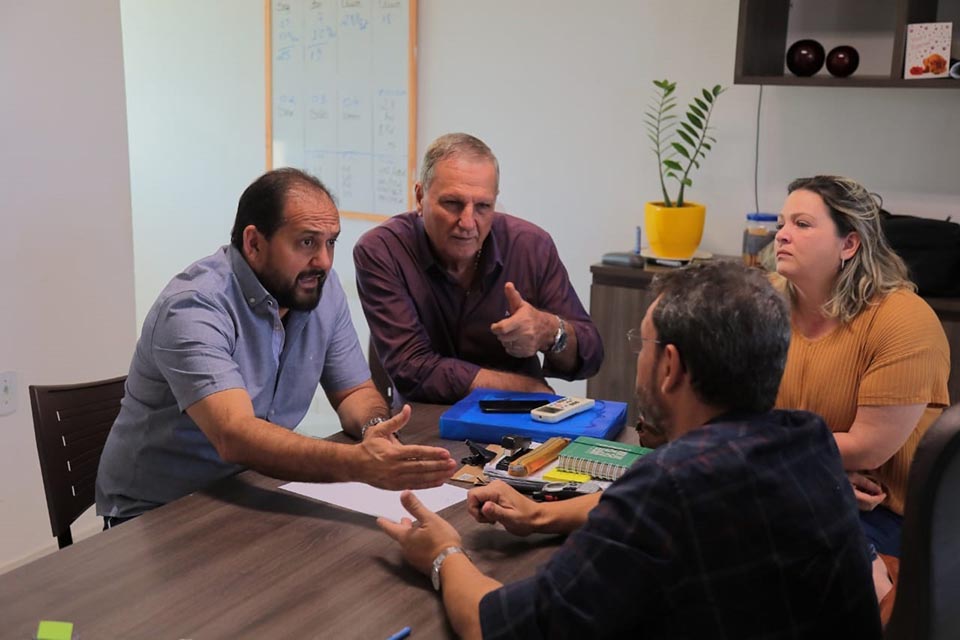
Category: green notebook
[600,459]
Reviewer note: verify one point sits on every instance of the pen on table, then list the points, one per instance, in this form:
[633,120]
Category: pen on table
[400,635]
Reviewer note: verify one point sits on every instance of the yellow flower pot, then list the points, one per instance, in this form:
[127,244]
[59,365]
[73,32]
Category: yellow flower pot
[674,232]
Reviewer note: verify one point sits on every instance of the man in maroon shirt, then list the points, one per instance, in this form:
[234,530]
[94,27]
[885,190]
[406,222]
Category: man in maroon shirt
[459,296]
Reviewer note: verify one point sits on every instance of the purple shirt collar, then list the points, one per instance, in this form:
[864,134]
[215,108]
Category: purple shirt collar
[491,260]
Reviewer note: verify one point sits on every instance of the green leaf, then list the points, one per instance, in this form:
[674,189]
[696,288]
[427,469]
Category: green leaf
[680,138]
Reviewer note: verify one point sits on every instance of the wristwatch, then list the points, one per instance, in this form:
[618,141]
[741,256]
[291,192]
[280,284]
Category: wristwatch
[435,572]
[560,339]
[369,423]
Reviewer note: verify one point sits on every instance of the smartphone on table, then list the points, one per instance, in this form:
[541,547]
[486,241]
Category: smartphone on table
[507,405]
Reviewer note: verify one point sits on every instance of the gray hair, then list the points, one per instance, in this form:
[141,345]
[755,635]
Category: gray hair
[732,329]
[455,144]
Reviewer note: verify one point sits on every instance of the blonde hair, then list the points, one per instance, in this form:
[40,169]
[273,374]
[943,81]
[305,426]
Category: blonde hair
[874,270]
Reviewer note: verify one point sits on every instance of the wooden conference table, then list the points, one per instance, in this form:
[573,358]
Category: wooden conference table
[244,559]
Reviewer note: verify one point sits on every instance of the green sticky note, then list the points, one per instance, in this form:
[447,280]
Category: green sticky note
[54,630]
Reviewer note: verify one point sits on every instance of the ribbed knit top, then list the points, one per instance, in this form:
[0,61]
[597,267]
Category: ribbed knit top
[894,352]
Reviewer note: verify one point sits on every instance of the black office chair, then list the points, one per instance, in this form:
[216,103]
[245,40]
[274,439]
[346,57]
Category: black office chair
[71,423]
[927,603]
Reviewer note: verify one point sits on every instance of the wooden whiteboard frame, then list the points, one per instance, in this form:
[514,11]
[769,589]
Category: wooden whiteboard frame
[411,116]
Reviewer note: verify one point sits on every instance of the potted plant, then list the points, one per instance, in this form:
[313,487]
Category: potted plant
[674,226]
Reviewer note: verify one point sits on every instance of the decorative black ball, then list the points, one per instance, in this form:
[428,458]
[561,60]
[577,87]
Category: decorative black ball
[842,61]
[805,57]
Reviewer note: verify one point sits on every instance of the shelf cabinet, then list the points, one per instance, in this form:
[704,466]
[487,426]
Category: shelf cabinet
[876,28]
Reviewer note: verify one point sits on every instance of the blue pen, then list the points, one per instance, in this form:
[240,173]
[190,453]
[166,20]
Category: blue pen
[400,635]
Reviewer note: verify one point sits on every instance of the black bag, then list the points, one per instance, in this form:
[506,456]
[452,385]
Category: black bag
[931,249]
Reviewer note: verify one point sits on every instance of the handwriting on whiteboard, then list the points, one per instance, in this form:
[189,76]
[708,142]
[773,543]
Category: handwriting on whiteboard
[340,103]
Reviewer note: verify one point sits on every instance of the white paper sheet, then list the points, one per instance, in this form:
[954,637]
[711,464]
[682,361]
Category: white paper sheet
[357,496]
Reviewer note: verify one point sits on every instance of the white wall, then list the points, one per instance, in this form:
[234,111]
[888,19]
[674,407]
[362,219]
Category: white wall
[67,267]
[558,90]
[556,87]
[195,107]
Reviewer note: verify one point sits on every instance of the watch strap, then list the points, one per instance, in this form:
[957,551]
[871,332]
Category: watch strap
[438,562]
[560,338]
[370,423]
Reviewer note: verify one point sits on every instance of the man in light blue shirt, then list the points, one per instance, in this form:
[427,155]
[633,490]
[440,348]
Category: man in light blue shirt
[230,357]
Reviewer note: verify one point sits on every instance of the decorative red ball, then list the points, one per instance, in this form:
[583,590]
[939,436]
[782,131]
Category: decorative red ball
[842,61]
[805,57]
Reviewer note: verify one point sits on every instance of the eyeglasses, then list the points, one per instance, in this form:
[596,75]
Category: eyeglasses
[636,340]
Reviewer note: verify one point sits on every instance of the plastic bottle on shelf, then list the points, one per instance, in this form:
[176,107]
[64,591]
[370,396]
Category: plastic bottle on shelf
[758,233]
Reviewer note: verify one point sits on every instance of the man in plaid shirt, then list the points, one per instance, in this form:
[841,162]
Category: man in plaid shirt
[742,526]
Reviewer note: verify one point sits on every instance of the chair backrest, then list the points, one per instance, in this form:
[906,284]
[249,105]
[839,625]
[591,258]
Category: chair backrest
[71,423]
[927,604]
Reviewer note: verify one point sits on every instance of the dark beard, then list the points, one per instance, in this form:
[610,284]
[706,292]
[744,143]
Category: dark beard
[287,295]
[652,419]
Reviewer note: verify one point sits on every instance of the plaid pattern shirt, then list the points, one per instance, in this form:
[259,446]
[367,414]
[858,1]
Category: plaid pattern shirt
[743,528]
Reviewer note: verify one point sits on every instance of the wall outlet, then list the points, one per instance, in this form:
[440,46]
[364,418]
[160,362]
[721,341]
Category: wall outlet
[8,393]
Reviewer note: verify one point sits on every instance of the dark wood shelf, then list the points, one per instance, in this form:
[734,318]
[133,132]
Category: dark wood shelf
[763,32]
[853,81]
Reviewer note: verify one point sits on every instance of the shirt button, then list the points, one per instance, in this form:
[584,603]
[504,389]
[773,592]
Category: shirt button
[269,303]
[251,300]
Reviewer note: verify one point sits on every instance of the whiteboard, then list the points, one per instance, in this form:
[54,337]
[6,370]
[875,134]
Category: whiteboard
[341,98]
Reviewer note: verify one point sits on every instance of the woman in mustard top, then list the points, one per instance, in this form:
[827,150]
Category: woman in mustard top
[866,352]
